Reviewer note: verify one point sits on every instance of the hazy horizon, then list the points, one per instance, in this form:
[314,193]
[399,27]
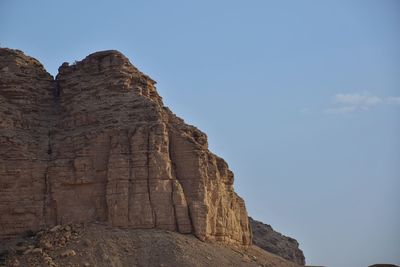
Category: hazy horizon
[302,99]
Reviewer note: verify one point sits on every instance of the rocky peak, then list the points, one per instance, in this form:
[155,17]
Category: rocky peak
[113,67]
[23,78]
[15,62]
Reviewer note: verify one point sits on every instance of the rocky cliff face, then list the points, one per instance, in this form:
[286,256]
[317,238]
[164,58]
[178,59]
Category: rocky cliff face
[266,238]
[97,144]
[26,101]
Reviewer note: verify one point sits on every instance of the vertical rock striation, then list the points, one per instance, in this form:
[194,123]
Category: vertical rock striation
[26,100]
[99,145]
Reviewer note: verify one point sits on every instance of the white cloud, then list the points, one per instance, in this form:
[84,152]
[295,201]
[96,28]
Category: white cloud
[358,99]
[393,100]
[340,110]
[346,103]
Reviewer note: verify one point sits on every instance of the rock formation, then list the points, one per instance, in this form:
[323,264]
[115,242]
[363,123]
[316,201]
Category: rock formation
[97,144]
[266,238]
[26,101]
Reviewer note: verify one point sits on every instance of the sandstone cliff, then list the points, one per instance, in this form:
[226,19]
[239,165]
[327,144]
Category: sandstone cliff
[26,101]
[97,144]
[266,238]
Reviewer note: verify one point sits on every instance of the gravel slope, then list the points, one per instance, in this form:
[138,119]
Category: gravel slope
[100,245]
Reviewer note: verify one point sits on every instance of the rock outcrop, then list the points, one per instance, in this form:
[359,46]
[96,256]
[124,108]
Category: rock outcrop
[97,144]
[266,238]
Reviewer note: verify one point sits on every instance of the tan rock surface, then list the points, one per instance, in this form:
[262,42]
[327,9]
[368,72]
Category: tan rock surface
[97,144]
[26,101]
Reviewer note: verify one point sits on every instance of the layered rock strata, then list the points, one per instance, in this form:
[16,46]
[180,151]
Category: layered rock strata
[97,144]
[265,237]
[26,102]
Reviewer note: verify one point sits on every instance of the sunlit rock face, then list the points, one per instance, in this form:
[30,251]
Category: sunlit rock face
[97,144]
[26,105]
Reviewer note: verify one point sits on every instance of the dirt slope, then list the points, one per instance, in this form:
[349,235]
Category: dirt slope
[103,246]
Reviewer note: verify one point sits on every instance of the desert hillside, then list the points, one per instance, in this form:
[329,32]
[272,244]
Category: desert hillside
[105,246]
[96,171]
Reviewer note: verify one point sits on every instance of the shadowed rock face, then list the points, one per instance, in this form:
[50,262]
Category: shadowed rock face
[97,144]
[266,238]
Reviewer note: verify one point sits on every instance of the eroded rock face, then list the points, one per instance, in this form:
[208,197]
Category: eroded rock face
[97,144]
[26,101]
[266,238]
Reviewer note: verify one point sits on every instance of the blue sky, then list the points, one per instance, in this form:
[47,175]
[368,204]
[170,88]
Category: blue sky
[302,98]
